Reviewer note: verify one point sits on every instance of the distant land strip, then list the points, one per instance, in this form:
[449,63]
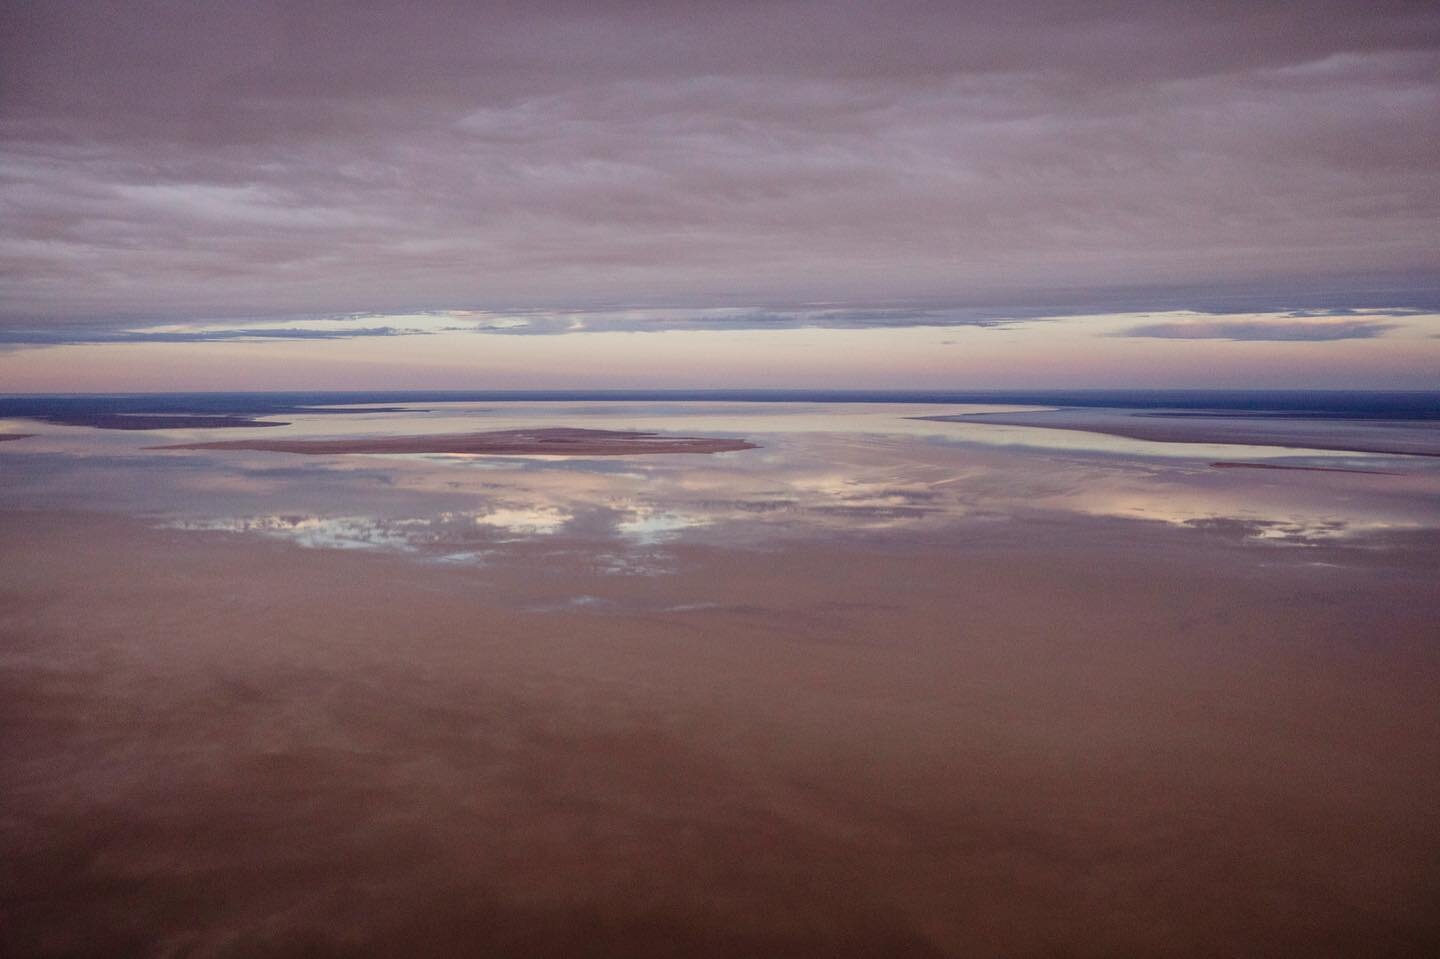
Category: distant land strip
[163,421]
[14,436]
[561,441]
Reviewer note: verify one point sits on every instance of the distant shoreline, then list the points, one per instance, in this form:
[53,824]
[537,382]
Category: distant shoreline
[77,408]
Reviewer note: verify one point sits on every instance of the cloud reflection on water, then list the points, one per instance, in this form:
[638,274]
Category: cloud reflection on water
[526,521]
[822,471]
[317,532]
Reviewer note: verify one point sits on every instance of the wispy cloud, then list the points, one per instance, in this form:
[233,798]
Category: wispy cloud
[1301,324]
[541,322]
[518,323]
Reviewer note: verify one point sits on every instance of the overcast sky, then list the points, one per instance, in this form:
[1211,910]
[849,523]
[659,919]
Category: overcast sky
[197,174]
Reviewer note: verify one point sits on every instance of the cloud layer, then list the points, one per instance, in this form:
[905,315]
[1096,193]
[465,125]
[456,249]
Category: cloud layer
[174,160]
[1300,325]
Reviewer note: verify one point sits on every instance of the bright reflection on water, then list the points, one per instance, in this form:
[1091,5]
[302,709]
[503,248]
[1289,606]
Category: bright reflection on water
[820,470]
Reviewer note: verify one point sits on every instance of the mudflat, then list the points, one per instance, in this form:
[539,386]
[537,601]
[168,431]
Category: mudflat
[550,440]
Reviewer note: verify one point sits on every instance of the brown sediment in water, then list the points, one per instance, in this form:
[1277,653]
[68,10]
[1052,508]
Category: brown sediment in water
[561,441]
[1307,469]
[1123,743]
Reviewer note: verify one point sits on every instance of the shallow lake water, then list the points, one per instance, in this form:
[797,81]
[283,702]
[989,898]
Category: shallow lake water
[819,469]
[878,686]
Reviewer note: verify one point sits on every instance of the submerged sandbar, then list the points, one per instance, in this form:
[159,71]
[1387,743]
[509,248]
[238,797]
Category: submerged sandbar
[563,441]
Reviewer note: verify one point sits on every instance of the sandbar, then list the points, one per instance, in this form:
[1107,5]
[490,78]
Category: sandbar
[563,441]
[1412,438]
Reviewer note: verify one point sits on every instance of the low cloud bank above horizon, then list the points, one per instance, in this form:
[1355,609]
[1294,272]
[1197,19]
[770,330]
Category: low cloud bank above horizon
[1263,331]
[182,160]
[513,323]
[1304,325]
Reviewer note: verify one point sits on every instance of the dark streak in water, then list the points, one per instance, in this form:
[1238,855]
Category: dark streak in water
[1308,469]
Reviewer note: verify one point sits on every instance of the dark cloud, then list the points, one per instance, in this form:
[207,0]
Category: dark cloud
[655,320]
[1263,330]
[192,159]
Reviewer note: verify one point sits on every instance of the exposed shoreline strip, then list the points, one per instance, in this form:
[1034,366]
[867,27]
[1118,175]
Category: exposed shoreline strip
[1189,431]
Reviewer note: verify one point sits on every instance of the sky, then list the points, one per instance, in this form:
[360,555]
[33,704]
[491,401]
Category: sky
[646,194]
